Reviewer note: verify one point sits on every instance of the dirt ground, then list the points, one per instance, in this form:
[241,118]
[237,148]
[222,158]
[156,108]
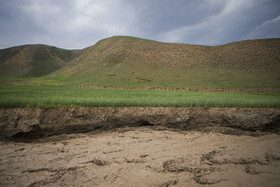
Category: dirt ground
[142,157]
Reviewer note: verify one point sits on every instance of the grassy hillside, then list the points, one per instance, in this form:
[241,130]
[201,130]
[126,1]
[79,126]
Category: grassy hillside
[134,62]
[34,60]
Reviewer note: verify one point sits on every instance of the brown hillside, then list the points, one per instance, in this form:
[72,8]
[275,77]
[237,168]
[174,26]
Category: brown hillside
[123,61]
[257,55]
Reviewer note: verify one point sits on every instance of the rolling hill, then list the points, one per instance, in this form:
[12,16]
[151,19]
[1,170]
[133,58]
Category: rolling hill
[135,62]
[34,60]
[123,61]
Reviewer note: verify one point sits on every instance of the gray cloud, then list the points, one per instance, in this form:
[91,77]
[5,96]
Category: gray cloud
[81,23]
[268,29]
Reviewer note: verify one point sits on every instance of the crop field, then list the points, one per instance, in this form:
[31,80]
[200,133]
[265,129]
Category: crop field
[125,75]
[12,96]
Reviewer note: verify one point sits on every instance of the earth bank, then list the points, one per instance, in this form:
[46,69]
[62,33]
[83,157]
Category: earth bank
[39,122]
[139,146]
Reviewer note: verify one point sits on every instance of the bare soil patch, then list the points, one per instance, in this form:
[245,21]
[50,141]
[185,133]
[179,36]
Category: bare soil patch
[142,157]
[139,146]
[258,90]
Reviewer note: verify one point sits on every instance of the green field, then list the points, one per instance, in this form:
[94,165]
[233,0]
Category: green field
[173,77]
[12,96]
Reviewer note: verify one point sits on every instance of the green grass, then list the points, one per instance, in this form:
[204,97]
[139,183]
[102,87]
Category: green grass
[12,96]
[125,75]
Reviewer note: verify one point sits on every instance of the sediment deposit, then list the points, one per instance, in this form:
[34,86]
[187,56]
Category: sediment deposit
[139,146]
[142,157]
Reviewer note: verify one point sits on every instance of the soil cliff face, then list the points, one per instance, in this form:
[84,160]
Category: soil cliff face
[39,122]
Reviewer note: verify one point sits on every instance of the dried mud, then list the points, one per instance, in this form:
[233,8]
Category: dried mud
[138,146]
[142,156]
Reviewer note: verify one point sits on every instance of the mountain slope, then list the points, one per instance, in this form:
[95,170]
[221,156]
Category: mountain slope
[34,60]
[135,62]
[243,54]
[122,61]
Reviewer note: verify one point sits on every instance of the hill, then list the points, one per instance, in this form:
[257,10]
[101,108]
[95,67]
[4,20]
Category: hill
[34,60]
[134,62]
[123,61]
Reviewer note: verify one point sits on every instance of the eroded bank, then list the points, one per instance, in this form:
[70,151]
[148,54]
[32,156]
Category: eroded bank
[40,122]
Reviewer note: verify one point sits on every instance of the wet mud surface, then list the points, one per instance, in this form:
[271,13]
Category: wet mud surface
[142,156]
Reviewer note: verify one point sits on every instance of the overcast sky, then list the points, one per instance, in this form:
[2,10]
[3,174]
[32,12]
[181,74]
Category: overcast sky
[81,23]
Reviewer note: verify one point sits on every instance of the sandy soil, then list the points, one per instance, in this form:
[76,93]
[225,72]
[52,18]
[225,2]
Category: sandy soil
[142,157]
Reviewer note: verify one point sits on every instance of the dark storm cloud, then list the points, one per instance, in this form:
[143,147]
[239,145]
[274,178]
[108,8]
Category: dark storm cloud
[81,23]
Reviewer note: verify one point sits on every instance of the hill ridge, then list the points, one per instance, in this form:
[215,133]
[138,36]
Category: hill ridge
[34,60]
[123,61]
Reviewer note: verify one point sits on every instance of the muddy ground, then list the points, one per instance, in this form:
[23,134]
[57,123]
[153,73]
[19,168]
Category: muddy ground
[142,156]
[139,146]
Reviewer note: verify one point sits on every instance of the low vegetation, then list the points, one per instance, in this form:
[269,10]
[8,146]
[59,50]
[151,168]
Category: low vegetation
[128,62]
[34,60]
[12,96]
[133,62]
